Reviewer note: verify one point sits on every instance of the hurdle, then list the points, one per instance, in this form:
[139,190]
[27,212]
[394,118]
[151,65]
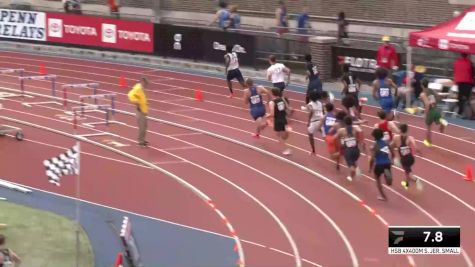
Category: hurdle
[82,108]
[93,86]
[110,96]
[9,71]
[48,77]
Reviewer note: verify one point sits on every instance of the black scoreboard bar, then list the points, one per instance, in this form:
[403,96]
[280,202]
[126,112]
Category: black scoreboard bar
[424,240]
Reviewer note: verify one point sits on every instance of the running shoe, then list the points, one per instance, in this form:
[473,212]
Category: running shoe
[358,171]
[256,135]
[419,185]
[313,154]
[231,95]
[427,143]
[411,110]
[443,122]
[405,184]
[382,198]
[289,128]
[349,178]
[287,152]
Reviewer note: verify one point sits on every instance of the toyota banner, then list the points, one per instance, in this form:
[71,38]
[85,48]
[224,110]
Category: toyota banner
[100,32]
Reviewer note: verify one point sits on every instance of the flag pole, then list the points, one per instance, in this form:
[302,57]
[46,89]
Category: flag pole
[78,194]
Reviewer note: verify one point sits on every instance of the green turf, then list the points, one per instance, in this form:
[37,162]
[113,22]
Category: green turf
[43,239]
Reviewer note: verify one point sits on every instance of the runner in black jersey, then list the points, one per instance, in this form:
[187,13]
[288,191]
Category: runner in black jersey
[278,112]
[313,76]
[404,147]
[351,88]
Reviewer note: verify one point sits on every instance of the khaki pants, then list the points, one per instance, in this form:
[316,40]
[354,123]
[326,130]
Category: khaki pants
[142,123]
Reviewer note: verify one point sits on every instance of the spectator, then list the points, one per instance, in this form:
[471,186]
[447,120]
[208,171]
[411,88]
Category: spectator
[222,15]
[281,17]
[7,256]
[303,23]
[114,8]
[342,26]
[463,77]
[234,18]
[72,6]
[387,57]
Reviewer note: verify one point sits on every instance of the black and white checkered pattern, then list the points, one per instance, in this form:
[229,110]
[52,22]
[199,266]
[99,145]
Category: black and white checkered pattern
[66,163]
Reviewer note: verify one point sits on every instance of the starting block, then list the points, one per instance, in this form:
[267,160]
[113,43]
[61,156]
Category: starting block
[93,86]
[48,77]
[95,97]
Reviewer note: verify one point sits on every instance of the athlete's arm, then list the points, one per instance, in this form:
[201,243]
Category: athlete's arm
[371,157]
[345,87]
[360,83]
[269,75]
[246,97]
[227,61]
[375,90]
[15,257]
[413,145]
[215,18]
[360,137]
[310,114]
[287,70]
[394,86]
[393,127]
[277,17]
[263,91]
[271,109]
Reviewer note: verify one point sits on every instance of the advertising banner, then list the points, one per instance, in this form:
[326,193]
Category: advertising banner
[100,32]
[203,44]
[22,24]
[362,62]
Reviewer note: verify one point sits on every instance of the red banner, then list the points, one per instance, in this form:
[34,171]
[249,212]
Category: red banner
[102,32]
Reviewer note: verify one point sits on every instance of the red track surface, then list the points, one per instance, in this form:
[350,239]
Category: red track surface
[282,212]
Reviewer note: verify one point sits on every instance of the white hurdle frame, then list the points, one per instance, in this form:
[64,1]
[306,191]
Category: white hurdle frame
[93,86]
[48,77]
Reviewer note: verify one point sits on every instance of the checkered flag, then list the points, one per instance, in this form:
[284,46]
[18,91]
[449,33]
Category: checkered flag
[66,163]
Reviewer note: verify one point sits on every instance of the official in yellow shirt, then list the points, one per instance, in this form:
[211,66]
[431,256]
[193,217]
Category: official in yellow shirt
[138,97]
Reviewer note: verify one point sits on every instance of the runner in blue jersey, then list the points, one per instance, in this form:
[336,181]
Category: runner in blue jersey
[380,161]
[352,138]
[329,125]
[253,97]
[382,91]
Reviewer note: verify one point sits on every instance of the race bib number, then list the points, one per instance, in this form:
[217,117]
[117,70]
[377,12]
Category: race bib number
[255,99]
[385,149]
[281,106]
[432,99]
[384,92]
[315,70]
[386,136]
[352,88]
[330,121]
[405,151]
[384,60]
[277,70]
[350,142]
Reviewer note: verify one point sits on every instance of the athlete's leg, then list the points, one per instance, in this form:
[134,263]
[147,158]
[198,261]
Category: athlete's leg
[382,196]
[230,86]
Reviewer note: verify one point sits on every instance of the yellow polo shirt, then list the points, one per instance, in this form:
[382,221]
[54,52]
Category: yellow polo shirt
[137,96]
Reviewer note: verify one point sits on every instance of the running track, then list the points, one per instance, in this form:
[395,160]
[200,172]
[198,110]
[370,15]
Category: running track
[295,211]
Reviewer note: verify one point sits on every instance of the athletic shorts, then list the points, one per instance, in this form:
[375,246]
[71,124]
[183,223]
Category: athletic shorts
[351,156]
[380,168]
[387,104]
[332,146]
[312,128]
[280,85]
[279,125]
[257,113]
[407,162]
[235,74]
[433,116]
[315,85]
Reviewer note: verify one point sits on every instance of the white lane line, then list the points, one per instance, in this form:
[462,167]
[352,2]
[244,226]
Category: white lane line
[185,134]
[97,134]
[169,162]
[179,148]
[194,189]
[159,76]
